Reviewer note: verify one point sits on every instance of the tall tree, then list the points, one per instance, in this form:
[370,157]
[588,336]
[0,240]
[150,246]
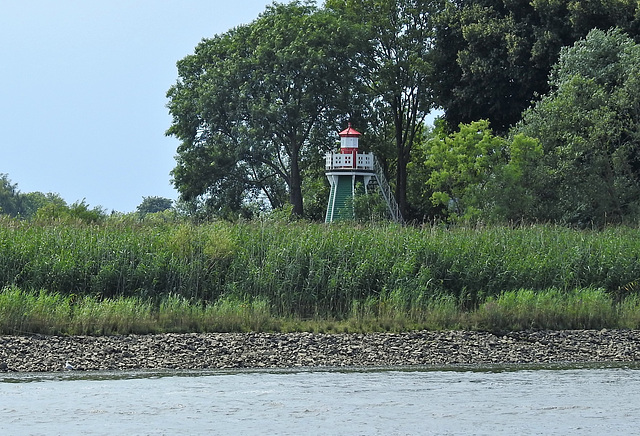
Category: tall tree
[589,128]
[254,105]
[492,57]
[153,204]
[398,72]
[10,197]
[33,201]
[476,174]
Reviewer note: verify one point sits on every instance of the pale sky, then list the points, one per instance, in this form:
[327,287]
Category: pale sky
[83,92]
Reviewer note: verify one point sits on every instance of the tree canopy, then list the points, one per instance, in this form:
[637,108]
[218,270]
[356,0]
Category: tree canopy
[492,57]
[153,204]
[474,174]
[589,127]
[397,75]
[10,199]
[41,206]
[255,105]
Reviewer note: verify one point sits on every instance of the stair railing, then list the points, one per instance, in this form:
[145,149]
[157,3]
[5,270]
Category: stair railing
[387,193]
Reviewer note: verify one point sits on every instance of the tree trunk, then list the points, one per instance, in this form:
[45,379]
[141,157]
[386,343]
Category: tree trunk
[295,184]
[401,167]
[401,182]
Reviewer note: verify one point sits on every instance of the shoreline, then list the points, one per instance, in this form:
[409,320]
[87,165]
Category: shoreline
[199,351]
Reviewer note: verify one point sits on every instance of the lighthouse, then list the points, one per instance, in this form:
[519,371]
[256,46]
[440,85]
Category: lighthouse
[348,171]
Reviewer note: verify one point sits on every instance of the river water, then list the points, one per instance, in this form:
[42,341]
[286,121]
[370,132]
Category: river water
[457,400]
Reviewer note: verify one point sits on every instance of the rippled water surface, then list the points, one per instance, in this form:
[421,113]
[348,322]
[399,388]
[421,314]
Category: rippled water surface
[492,400]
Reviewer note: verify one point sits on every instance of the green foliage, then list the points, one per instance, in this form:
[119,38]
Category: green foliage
[52,313]
[256,105]
[483,63]
[588,127]
[40,206]
[493,57]
[549,309]
[510,192]
[77,212]
[396,76]
[629,312]
[46,313]
[231,313]
[41,312]
[153,204]
[34,201]
[44,207]
[180,315]
[315,191]
[370,208]
[474,174]
[309,270]
[110,316]
[10,199]
[394,313]
[461,164]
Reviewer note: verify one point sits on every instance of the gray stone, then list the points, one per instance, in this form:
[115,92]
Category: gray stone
[271,350]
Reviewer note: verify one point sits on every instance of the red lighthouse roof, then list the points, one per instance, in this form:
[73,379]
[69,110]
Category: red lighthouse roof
[349,132]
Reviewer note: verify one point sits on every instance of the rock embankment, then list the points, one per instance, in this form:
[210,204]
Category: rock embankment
[275,350]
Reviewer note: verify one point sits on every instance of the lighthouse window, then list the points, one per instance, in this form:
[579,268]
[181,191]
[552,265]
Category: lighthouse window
[350,142]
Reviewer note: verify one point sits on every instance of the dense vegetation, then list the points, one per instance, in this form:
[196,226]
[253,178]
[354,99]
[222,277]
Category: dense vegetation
[540,102]
[400,277]
[524,197]
[256,107]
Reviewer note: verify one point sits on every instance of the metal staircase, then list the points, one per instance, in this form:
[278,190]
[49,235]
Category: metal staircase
[387,193]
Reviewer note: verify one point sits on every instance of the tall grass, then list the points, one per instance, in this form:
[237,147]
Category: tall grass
[40,312]
[44,313]
[92,316]
[312,271]
[551,309]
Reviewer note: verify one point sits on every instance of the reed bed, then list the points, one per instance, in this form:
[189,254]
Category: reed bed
[399,276]
[53,314]
[41,312]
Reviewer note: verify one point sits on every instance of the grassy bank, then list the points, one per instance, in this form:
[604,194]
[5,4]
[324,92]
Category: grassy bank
[351,276]
[44,313]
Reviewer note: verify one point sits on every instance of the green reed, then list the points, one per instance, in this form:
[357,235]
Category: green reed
[46,313]
[550,309]
[313,271]
[40,312]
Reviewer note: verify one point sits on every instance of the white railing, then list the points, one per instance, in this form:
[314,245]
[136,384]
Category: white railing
[338,161]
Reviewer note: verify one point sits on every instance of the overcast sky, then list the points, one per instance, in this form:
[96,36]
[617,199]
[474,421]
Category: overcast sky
[83,92]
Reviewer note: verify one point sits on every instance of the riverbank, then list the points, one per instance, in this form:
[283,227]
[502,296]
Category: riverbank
[39,353]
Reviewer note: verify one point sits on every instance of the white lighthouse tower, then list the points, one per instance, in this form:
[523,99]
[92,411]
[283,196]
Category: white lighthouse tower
[349,171]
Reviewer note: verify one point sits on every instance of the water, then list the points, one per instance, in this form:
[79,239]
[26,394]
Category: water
[485,400]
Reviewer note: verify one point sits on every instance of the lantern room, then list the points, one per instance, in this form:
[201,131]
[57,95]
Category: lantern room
[349,140]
